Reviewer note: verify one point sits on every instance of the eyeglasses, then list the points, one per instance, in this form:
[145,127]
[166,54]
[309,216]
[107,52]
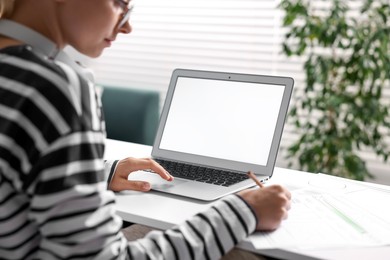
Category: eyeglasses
[126,12]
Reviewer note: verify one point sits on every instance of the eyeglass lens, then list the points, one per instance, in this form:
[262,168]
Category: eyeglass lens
[126,12]
[125,16]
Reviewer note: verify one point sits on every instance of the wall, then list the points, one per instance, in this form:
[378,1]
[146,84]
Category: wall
[230,35]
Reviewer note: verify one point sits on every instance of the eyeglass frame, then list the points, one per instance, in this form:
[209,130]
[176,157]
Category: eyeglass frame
[126,12]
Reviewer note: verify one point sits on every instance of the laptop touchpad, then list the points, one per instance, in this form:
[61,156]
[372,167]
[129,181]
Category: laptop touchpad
[155,180]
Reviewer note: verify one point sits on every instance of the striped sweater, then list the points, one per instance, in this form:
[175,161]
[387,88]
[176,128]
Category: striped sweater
[54,202]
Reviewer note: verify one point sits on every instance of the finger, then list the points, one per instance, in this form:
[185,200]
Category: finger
[137,185]
[288,194]
[285,214]
[288,205]
[148,163]
[144,163]
[131,185]
[158,169]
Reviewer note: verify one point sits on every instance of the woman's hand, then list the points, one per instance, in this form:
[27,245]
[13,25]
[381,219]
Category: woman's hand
[270,204]
[126,166]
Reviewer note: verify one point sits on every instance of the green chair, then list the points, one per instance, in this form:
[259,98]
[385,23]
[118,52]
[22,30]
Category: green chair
[131,114]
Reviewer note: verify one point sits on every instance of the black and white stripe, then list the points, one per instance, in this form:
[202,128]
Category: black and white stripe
[54,202]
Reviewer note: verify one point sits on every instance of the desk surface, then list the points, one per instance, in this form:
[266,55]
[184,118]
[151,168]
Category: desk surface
[163,211]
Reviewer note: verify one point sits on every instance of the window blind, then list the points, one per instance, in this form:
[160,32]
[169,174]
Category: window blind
[235,35]
[222,35]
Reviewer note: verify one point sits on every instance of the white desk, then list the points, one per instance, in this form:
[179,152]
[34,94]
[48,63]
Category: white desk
[163,211]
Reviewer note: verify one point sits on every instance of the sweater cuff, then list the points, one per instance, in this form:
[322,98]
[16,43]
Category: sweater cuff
[251,209]
[245,211]
[109,170]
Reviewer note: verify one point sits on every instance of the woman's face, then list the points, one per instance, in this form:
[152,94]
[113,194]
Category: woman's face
[91,25]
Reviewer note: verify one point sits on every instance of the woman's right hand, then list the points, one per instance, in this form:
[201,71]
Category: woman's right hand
[270,204]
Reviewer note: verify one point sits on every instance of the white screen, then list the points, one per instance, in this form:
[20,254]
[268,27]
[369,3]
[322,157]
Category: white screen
[223,119]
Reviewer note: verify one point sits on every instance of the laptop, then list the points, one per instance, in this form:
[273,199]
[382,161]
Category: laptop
[214,128]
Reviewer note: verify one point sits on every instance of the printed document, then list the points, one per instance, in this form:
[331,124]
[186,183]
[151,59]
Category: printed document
[331,212]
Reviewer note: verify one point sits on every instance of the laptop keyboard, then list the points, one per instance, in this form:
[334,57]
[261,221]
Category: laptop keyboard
[202,174]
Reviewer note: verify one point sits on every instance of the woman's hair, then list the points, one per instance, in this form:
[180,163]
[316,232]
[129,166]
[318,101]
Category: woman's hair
[6,7]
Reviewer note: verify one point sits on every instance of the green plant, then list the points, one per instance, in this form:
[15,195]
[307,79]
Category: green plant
[347,66]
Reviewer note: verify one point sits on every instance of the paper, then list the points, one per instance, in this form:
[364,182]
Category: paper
[331,212]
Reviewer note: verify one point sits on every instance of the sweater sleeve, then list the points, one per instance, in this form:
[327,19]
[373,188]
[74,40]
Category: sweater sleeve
[53,182]
[78,219]
[208,235]
[109,170]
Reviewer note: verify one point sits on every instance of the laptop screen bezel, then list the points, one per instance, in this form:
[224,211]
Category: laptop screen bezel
[266,170]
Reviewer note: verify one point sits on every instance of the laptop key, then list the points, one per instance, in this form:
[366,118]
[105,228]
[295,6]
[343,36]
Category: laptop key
[202,174]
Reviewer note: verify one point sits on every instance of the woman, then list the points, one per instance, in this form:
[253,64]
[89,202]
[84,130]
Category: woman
[54,201]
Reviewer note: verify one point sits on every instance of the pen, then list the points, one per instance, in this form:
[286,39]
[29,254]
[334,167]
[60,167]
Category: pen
[253,177]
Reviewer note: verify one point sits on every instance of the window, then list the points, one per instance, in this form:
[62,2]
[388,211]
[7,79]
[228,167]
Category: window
[221,35]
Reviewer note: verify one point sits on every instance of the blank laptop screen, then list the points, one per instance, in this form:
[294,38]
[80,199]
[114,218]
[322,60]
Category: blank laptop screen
[223,119]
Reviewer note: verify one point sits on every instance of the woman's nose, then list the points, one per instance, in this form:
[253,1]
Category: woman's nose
[126,28]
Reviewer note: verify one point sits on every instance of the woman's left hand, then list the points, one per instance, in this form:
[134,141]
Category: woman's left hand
[126,166]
